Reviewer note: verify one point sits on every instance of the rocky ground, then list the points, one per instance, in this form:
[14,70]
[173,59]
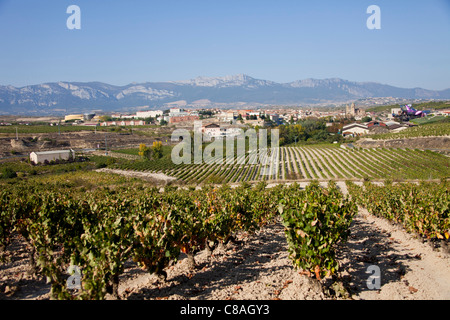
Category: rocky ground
[257,267]
[75,140]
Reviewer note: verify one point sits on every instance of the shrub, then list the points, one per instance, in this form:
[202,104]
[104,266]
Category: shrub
[316,220]
[100,165]
[8,173]
[144,151]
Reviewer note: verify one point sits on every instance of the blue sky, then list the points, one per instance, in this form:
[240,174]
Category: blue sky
[138,41]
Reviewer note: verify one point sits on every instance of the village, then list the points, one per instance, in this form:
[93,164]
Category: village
[128,130]
[220,123]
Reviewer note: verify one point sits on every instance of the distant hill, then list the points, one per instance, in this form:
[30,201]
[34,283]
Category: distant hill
[76,97]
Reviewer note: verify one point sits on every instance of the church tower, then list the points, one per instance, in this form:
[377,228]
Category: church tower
[350,111]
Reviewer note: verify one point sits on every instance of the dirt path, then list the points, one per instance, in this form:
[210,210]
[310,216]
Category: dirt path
[257,267]
[149,176]
[409,268]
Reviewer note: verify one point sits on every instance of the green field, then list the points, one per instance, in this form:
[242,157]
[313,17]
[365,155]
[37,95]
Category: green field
[307,163]
[24,129]
[439,127]
[428,120]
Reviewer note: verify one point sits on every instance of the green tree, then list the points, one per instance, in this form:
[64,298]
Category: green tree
[157,149]
[105,118]
[149,120]
[144,151]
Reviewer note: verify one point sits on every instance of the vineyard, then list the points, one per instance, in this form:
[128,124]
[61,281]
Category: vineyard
[308,163]
[101,229]
[32,129]
[105,223]
[437,129]
[422,209]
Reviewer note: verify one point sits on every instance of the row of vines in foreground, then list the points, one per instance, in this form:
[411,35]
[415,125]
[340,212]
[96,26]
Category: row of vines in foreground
[101,229]
[420,208]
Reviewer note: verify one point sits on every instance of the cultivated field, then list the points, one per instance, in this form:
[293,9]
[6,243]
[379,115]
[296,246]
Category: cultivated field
[310,162]
[309,231]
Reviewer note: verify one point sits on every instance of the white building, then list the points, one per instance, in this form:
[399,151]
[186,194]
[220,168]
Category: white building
[165,118]
[175,110]
[394,126]
[148,114]
[394,111]
[274,117]
[226,116]
[215,131]
[355,129]
[132,123]
[41,157]
[211,130]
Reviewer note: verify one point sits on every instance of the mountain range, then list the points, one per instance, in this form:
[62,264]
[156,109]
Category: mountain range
[77,97]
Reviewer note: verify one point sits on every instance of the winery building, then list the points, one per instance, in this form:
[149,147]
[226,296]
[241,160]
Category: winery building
[42,157]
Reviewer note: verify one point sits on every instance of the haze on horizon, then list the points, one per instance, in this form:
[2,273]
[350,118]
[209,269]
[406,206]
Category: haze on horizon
[281,41]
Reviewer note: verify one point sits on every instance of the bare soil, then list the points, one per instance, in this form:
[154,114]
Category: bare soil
[76,140]
[156,178]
